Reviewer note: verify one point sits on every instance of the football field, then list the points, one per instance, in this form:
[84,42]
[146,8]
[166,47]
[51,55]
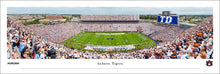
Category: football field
[109,39]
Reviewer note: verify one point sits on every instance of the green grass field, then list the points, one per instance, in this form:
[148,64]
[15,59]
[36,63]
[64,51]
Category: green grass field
[79,40]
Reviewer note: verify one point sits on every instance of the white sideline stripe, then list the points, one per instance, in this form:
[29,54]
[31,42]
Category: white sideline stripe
[109,33]
[107,48]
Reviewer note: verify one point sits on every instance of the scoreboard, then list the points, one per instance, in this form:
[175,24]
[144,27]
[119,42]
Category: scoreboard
[167,18]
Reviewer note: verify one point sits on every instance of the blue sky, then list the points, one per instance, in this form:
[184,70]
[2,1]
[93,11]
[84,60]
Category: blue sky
[110,10]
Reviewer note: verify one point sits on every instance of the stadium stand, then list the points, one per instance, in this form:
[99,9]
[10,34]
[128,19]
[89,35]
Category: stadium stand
[43,42]
[109,17]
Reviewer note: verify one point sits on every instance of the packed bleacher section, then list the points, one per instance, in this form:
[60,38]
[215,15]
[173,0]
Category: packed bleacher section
[167,34]
[60,32]
[108,26]
[57,33]
[25,43]
[109,17]
[149,28]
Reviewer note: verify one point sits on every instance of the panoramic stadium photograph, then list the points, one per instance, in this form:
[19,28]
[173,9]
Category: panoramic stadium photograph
[110,33]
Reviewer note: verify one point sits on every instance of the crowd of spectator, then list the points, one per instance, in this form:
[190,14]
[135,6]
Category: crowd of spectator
[168,34]
[25,43]
[109,17]
[149,28]
[57,33]
[60,32]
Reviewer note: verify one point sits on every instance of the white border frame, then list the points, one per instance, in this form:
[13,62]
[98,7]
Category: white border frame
[90,66]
